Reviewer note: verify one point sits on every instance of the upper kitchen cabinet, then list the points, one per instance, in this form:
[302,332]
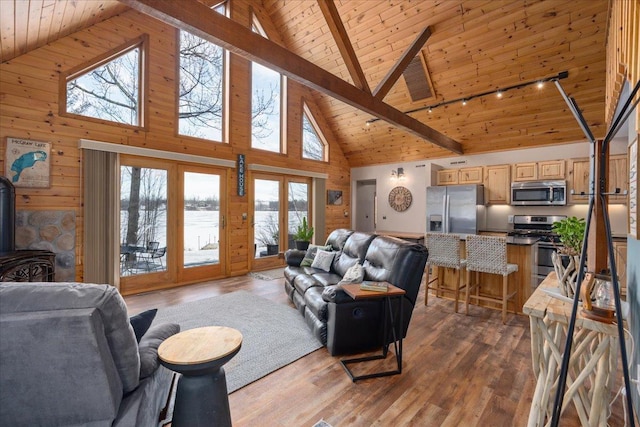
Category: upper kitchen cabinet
[550,170]
[579,179]
[447,176]
[618,178]
[525,171]
[497,186]
[545,171]
[472,175]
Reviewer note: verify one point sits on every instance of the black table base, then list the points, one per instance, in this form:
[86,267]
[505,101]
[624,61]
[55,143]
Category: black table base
[397,344]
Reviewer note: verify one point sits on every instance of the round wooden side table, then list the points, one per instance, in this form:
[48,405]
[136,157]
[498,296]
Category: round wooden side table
[198,354]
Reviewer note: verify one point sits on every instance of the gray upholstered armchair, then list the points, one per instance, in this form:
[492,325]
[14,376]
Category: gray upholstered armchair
[69,356]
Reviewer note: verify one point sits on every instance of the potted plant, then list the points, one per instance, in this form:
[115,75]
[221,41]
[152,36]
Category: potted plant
[303,235]
[268,236]
[566,259]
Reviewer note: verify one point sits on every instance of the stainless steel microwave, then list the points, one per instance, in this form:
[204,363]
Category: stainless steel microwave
[539,193]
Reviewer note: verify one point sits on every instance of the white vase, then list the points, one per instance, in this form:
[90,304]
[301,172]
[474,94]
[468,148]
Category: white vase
[567,274]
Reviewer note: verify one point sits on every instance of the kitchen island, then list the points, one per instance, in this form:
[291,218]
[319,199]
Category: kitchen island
[404,235]
[522,251]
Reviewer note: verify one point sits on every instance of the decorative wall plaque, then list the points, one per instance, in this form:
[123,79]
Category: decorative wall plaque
[241,175]
[27,163]
[400,198]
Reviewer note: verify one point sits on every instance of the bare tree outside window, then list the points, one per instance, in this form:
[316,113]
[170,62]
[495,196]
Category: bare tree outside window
[266,89]
[265,108]
[143,201]
[312,146]
[201,88]
[109,92]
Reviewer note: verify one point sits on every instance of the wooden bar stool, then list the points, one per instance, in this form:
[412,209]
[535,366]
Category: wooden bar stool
[444,251]
[487,254]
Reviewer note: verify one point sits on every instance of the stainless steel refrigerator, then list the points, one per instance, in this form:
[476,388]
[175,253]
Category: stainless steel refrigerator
[455,209]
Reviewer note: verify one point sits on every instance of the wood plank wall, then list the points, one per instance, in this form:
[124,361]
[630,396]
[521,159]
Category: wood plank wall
[29,109]
[623,53]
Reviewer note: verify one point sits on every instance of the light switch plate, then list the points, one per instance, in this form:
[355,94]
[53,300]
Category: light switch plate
[510,219]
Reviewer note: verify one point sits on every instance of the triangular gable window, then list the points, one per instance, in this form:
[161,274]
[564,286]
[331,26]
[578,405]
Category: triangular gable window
[313,142]
[109,90]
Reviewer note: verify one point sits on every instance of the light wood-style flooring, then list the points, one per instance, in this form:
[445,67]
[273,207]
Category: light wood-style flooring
[457,371]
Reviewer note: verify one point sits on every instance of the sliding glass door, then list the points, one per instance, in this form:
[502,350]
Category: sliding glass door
[171,222]
[145,214]
[203,221]
[298,207]
[279,204]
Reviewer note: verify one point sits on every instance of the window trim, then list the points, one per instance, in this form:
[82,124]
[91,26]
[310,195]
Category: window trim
[142,43]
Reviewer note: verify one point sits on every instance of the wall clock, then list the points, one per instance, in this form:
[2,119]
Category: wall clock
[400,198]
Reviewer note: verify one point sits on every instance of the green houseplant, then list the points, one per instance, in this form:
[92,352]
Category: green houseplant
[566,258]
[303,235]
[571,233]
[268,236]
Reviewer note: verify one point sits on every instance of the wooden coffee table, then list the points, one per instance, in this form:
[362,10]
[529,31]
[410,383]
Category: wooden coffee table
[198,354]
[393,292]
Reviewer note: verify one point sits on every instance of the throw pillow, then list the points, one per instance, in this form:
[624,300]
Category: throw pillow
[355,274]
[323,260]
[311,254]
[149,344]
[141,322]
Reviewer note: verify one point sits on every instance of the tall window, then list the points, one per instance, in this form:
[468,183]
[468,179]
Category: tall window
[201,96]
[109,91]
[266,105]
[143,220]
[313,142]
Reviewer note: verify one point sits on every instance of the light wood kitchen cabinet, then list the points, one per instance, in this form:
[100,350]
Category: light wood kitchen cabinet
[497,186]
[579,179]
[471,175]
[618,177]
[620,256]
[525,171]
[544,171]
[552,169]
[447,176]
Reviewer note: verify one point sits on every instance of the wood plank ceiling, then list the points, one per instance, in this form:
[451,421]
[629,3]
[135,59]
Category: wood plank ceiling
[475,46]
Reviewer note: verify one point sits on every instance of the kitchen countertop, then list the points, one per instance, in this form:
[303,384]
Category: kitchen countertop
[523,241]
[514,240]
[511,240]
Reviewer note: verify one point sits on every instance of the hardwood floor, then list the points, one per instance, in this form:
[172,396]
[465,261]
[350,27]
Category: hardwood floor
[457,371]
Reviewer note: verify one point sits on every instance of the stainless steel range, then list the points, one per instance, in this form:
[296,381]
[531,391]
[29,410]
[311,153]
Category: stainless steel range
[539,226]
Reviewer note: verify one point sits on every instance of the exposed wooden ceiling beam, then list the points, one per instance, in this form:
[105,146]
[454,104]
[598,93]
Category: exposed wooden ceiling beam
[330,12]
[198,19]
[394,74]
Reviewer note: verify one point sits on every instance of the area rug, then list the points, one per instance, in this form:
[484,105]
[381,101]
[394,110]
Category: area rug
[276,273]
[273,335]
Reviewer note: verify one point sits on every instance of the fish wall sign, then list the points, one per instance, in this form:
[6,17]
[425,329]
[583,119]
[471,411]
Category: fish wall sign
[28,163]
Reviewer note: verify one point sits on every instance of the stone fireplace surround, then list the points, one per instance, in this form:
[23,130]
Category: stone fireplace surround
[54,231]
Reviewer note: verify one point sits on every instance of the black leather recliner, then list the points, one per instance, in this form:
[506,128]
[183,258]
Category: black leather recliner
[346,326]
